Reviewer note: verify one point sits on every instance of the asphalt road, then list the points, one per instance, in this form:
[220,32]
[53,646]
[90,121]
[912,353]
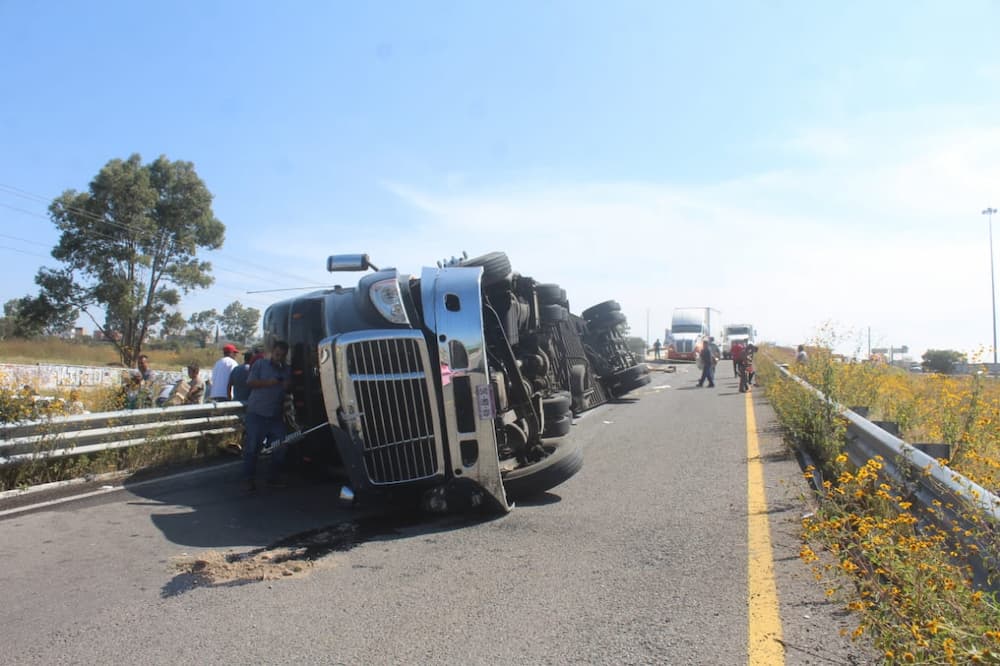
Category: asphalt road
[642,557]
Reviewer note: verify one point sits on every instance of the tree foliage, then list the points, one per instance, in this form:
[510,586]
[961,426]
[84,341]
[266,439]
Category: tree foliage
[29,317]
[202,324]
[129,245]
[942,360]
[172,324]
[238,322]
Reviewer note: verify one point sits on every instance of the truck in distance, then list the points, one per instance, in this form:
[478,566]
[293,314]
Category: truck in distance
[688,327]
[732,333]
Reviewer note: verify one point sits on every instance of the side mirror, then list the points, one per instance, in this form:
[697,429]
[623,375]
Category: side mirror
[348,262]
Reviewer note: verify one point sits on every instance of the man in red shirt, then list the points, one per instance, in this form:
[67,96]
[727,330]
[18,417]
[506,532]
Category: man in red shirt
[736,351]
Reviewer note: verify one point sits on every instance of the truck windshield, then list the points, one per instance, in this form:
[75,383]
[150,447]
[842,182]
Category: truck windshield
[739,330]
[685,328]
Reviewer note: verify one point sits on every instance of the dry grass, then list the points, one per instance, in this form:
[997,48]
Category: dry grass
[165,356]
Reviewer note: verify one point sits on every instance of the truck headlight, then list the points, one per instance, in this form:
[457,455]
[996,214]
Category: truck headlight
[388,301]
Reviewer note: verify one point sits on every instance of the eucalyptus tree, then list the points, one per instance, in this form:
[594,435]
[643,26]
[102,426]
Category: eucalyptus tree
[173,323]
[129,246]
[202,324]
[239,322]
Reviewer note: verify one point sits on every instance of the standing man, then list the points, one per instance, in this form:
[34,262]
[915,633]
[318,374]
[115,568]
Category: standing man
[142,364]
[189,391]
[269,380]
[238,379]
[148,379]
[736,351]
[240,391]
[656,349]
[707,359]
[801,356]
[220,374]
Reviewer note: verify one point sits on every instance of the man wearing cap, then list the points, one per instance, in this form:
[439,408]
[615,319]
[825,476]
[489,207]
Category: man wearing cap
[220,373]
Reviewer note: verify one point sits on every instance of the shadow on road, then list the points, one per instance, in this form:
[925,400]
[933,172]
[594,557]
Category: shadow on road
[240,538]
[212,510]
[540,500]
[298,554]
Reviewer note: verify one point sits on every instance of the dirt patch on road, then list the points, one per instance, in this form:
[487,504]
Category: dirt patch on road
[289,558]
[212,567]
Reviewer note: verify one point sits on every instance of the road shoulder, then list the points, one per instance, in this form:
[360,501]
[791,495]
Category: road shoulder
[816,630]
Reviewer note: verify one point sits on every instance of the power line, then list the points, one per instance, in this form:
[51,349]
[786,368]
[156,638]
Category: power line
[30,254]
[24,240]
[25,211]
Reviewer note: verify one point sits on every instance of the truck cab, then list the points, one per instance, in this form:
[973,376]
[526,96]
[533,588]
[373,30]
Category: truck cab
[743,333]
[688,327]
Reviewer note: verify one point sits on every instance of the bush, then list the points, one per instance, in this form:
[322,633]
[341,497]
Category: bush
[909,581]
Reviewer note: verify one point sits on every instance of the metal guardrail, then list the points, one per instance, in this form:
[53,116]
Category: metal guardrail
[930,483]
[88,433]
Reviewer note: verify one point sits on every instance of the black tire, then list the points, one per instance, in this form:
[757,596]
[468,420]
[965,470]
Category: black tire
[556,404]
[627,387]
[564,460]
[607,321]
[629,379]
[595,311]
[630,374]
[549,294]
[496,267]
[553,314]
[558,426]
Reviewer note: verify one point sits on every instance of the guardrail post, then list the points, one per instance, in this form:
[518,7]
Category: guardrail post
[890,427]
[936,450]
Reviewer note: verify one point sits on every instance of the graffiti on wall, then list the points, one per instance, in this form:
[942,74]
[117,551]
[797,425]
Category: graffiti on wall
[44,377]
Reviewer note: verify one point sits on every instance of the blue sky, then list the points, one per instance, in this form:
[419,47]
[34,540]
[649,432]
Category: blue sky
[790,164]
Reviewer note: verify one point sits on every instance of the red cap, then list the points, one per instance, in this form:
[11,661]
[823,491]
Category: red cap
[230,349]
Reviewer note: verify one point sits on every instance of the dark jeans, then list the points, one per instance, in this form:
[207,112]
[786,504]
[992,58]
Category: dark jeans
[260,429]
[707,372]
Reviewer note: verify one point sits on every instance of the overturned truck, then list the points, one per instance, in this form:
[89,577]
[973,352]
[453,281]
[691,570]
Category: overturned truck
[461,382]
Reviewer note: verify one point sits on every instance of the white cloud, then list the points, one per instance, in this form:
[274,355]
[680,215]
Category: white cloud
[989,72]
[893,242]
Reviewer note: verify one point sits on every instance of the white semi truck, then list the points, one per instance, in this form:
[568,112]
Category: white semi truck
[744,333]
[688,327]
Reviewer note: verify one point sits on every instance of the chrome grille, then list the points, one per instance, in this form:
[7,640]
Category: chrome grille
[685,345]
[390,385]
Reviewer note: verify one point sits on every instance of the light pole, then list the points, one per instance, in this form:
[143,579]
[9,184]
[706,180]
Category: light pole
[993,290]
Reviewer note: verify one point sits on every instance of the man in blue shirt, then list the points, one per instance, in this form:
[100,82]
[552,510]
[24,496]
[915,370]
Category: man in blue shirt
[707,358]
[238,379]
[269,379]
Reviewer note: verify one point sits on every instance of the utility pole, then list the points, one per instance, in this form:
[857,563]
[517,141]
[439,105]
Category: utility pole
[993,290]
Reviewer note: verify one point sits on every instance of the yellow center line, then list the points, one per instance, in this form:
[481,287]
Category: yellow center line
[764,642]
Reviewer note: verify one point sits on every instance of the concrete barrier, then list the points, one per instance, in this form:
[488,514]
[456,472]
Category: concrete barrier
[51,377]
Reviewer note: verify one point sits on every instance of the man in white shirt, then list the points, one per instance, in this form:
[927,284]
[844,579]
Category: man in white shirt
[220,373]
